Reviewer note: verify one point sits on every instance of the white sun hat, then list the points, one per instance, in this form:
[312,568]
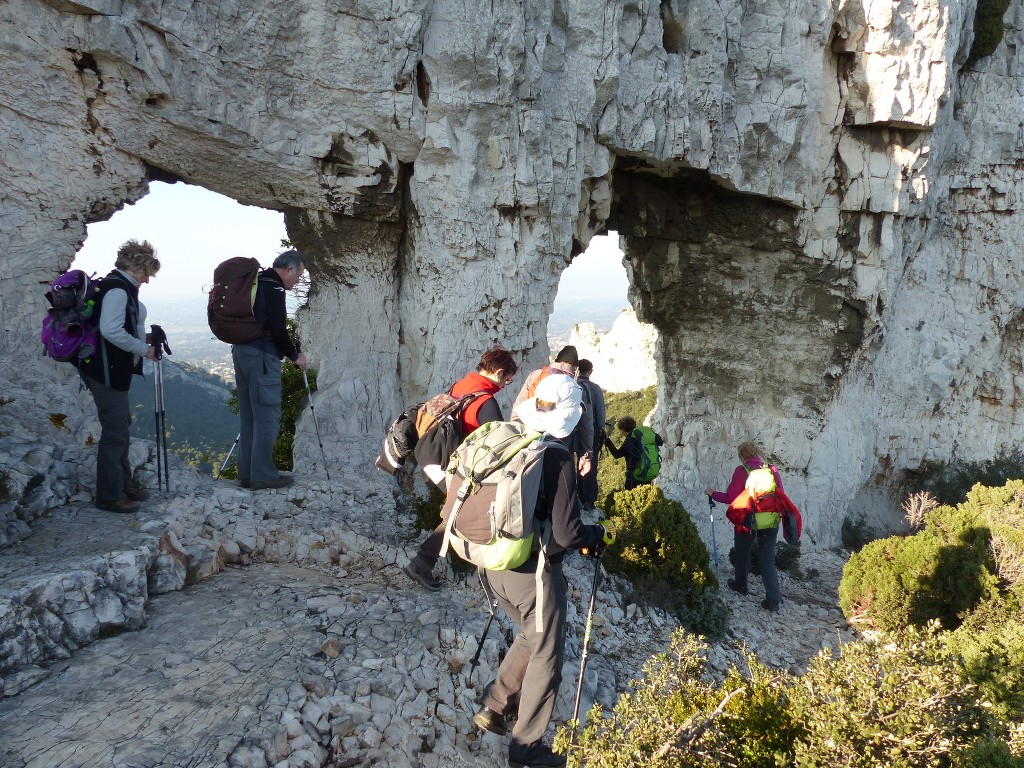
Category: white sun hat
[555,408]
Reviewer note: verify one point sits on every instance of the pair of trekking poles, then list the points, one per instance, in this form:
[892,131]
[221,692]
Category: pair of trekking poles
[492,605]
[309,394]
[158,340]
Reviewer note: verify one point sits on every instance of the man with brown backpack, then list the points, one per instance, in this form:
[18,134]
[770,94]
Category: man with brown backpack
[258,371]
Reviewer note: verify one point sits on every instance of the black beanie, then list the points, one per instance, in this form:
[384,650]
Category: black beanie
[567,355]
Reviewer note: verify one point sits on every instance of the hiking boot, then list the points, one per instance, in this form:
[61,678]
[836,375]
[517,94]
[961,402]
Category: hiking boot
[489,720]
[245,484]
[539,756]
[426,578]
[119,505]
[136,492]
[281,481]
[736,588]
[771,605]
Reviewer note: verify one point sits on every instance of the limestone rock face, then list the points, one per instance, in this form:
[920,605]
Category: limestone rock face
[817,201]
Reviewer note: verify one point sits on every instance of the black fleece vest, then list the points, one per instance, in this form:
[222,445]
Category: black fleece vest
[112,365]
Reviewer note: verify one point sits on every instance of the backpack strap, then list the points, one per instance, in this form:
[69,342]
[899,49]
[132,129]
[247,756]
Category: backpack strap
[464,490]
[538,579]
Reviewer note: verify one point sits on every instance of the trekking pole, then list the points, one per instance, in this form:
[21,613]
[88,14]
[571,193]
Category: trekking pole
[163,424]
[596,554]
[228,457]
[714,543]
[312,410]
[159,340]
[156,421]
[492,606]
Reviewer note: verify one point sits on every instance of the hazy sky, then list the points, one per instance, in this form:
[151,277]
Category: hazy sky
[194,229]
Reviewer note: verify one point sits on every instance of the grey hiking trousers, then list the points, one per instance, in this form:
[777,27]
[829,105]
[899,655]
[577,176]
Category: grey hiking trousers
[113,470]
[258,378]
[533,665]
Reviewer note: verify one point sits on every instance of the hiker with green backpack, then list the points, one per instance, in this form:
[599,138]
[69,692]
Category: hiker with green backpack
[757,506]
[520,478]
[640,449]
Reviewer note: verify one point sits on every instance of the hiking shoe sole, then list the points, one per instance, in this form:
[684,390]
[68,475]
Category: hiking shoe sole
[489,720]
[434,585]
[121,505]
[732,585]
[550,760]
[282,481]
[136,494]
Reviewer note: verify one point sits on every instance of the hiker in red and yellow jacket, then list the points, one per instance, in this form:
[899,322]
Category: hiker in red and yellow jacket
[494,371]
[742,513]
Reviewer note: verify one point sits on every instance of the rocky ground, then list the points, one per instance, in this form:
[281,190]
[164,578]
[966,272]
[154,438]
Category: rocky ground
[222,627]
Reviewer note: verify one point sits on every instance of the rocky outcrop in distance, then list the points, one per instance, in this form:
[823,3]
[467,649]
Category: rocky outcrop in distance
[623,357]
[818,201]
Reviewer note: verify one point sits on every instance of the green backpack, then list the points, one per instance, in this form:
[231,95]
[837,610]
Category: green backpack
[649,466]
[761,486]
[494,481]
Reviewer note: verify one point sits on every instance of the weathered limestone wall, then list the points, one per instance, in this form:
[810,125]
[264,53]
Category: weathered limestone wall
[817,200]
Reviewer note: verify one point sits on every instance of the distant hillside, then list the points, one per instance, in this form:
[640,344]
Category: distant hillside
[197,415]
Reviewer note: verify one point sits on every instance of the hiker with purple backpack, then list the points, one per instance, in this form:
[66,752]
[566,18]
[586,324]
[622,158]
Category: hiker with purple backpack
[120,321]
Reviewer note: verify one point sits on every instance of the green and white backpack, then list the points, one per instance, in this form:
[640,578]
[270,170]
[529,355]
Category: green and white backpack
[494,481]
[761,486]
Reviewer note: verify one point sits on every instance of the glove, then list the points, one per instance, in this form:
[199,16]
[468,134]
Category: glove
[159,339]
[609,532]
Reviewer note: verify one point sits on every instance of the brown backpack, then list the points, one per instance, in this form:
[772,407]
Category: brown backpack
[232,296]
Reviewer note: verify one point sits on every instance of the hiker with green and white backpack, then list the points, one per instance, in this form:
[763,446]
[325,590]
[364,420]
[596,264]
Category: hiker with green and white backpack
[521,478]
[641,451]
[757,506]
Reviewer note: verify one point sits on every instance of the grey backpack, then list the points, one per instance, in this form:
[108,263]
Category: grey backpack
[494,481]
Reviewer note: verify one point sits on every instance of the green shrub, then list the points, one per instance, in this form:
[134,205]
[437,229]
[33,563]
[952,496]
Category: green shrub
[854,534]
[988,753]
[674,717]
[659,550]
[427,509]
[901,704]
[950,483]
[988,28]
[941,572]
[990,643]
[1001,510]
[897,582]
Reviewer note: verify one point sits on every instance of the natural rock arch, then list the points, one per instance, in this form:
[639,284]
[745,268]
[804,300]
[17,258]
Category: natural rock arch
[824,170]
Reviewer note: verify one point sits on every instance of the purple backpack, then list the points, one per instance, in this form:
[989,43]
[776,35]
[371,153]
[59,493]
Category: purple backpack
[68,334]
